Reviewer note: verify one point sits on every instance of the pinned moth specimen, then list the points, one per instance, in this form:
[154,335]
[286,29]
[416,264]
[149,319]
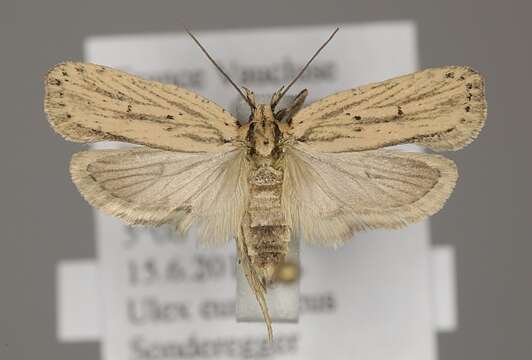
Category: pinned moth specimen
[320,172]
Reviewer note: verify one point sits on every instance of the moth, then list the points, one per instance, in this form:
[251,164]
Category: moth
[321,172]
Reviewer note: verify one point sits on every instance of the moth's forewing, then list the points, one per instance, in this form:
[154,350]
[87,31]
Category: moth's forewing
[442,109]
[88,103]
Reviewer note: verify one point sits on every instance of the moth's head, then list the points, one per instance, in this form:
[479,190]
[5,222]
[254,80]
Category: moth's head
[281,108]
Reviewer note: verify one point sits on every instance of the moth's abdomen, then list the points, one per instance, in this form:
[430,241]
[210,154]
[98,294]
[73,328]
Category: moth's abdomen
[265,225]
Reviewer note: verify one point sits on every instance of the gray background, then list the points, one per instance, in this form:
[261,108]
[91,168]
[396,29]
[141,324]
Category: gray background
[44,220]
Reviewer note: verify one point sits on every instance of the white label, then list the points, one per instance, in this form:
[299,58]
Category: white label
[166,298]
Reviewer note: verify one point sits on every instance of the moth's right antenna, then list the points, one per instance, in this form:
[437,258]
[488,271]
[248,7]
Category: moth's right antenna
[304,68]
[220,68]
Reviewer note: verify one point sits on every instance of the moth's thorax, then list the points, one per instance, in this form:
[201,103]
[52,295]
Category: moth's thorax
[263,134]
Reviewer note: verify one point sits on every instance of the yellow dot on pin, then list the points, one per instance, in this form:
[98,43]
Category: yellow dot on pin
[287,272]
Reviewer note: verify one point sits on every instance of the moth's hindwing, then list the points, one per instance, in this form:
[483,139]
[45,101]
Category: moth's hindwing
[151,187]
[332,195]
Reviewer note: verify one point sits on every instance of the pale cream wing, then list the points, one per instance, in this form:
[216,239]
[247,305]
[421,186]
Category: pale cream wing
[89,103]
[442,108]
[330,196]
[151,186]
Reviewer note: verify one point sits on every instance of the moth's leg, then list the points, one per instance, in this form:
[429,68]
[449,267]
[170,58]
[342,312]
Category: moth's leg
[254,281]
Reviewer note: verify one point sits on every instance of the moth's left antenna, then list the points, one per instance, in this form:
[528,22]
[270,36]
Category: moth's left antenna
[219,68]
